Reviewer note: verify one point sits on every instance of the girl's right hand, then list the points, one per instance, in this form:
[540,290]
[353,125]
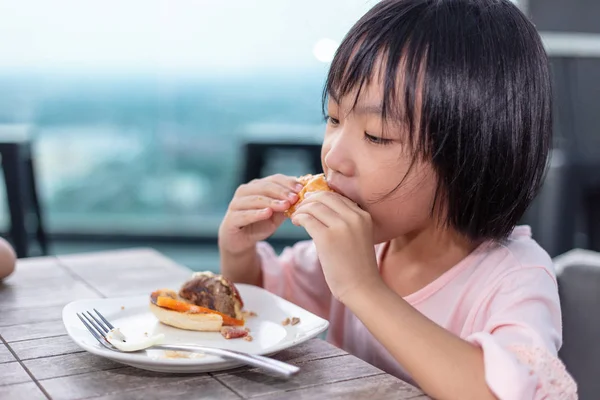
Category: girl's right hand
[256,211]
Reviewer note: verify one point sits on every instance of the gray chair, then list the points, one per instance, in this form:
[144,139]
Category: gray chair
[578,274]
[18,166]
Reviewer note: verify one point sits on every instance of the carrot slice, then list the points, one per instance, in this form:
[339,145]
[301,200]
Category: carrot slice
[181,306]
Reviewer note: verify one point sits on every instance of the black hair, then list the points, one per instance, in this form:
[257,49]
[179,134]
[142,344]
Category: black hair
[481,76]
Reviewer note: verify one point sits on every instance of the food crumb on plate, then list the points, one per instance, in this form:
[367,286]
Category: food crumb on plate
[248,338]
[122,307]
[181,354]
[291,321]
[231,332]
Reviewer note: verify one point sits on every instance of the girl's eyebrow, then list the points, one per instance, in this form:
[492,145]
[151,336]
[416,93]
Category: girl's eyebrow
[367,109]
[361,108]
[376,109]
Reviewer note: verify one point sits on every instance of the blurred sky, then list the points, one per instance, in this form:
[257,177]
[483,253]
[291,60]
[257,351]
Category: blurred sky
[170,35]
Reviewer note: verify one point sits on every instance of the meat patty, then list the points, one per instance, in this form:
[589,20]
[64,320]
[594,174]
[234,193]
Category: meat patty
[212,291]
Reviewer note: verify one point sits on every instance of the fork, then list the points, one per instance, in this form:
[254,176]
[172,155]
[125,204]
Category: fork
[99,327]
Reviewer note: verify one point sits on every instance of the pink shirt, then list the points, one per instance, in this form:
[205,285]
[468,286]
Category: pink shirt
[502,297]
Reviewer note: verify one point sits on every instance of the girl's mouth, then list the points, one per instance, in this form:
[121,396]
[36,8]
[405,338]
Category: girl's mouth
[340,190]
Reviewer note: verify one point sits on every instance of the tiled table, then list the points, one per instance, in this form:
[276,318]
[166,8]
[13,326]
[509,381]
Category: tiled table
[39,361]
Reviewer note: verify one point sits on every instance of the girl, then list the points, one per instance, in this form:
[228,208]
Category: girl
[438,132]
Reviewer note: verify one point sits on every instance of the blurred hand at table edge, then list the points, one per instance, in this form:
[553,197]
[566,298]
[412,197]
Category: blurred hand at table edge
[8,259]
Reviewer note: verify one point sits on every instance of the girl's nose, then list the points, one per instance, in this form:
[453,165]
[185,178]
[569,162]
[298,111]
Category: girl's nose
[337,155]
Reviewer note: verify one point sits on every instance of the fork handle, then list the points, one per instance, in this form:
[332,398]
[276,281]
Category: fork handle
[275,366]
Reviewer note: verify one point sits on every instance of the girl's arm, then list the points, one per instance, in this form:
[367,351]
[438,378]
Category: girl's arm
[241,268]
[444,366]
[514,355]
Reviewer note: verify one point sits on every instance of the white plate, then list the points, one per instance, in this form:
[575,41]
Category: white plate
[133,317]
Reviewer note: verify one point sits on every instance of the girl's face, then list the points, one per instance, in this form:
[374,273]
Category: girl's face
[366,164]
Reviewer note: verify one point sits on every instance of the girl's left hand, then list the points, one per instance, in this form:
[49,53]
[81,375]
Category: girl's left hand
[343,235]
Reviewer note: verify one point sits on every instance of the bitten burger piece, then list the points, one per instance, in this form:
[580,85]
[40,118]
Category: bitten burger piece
[176,312]
[207,302]
[312,183]
[212,291]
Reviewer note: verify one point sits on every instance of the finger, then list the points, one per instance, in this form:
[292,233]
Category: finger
[313,226]
[286,181]
[320,211]
[256,202]
[243,218]
[266,188]
[333,200]
[348,202]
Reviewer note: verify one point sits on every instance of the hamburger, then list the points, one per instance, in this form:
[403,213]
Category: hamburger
[207,302]
[312,183]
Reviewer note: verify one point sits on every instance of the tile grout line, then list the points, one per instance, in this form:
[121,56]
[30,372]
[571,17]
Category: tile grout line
[17,309]
[29,322]
[84,373]
[41,357]
[319,359]
[321,384]
[215,377]
[53,355]
[37,338]
[33,378]
[120,392]
[78,277]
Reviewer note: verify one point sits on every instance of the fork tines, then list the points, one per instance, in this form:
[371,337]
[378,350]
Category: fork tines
[97,327]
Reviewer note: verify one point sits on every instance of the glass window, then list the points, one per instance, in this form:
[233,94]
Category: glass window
[139,109]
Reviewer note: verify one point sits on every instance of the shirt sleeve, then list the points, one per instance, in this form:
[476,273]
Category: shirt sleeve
[521,338]
[296,275]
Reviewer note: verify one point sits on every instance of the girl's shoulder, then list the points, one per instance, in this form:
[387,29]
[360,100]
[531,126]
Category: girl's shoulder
[515,257]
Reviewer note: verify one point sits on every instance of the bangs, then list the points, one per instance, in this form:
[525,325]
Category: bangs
[391,51]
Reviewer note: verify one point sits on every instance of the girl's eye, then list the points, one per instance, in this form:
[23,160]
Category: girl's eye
[330,120]
[377,139]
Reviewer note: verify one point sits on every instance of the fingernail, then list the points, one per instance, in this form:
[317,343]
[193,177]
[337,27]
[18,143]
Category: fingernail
[281,202]
[299,187]
[292,196]
[308,194]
